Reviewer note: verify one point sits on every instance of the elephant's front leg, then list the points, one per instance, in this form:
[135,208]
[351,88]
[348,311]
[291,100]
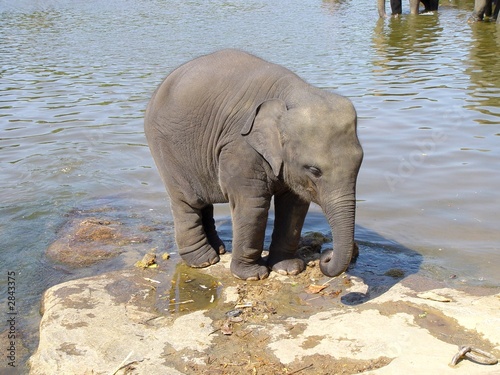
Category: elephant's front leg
[249,214]
[290,213]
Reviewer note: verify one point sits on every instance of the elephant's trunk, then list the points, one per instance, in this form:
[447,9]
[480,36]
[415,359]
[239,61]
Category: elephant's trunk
[341,216]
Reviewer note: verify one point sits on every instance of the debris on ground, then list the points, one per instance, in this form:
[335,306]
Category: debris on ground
[433,297]
[148,261]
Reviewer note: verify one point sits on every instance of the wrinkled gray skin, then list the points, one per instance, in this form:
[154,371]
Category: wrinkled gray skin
[485,7]
[230,127]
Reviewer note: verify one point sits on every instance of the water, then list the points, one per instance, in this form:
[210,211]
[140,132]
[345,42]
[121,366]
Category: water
[75,78]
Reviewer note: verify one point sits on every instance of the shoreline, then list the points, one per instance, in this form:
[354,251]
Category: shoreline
[350,326]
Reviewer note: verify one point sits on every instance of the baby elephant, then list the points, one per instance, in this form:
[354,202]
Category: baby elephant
[231,127]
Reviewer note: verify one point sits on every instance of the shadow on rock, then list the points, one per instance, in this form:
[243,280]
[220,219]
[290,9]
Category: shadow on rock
[381,264]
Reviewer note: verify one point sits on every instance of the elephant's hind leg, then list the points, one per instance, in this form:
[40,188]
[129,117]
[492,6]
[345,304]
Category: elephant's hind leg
[194,246]
[290,213]
[208,221]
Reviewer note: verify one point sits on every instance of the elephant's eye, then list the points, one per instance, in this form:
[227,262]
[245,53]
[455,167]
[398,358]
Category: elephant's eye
[315,171]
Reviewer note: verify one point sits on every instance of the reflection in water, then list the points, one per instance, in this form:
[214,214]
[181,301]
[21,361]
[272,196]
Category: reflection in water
[438,80]
[404,41]
[484,70]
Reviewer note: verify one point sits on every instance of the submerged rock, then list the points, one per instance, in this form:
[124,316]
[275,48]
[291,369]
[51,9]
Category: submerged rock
[85,241]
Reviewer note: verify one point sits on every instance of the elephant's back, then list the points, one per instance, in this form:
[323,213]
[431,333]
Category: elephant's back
[204,103]
[197,111]
[211,96]
[226,77]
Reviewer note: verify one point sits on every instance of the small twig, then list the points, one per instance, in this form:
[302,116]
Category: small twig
[121,364]
[218,329]
[151,280]
[153,318]
[329,281]
[242,305]
[125,363]
[235,364]
[181,303]
[265,339]
[300,369]
[246,334]
[313,298]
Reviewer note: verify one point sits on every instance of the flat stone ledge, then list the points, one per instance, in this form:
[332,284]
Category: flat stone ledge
[97,325]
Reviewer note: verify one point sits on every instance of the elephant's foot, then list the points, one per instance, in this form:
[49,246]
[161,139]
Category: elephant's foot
[217,244]
[246,271]
[286,266]
[221,249]
[200,258]
[474,18]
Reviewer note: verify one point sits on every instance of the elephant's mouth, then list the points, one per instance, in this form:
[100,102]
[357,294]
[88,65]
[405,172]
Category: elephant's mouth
[305,188]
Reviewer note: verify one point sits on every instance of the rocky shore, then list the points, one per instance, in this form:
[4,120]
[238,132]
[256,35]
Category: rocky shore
[146,320]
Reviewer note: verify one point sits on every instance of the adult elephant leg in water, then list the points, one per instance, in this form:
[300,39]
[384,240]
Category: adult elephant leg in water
[396,7]
[482,8]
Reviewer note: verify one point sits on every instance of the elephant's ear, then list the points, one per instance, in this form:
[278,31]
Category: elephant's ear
[263,134]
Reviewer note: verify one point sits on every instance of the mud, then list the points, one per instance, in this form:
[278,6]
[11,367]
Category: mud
[242,349]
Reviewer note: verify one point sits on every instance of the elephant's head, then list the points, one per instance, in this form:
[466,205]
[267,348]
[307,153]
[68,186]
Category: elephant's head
[314,146]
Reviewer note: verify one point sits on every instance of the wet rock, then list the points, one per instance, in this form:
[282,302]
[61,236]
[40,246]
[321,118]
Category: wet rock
[85,241]
[396,273]
[98,324]
[310,246]
[314,240]
[89,326]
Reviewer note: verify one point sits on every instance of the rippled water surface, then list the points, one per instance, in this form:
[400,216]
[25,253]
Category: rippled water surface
[75,77]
